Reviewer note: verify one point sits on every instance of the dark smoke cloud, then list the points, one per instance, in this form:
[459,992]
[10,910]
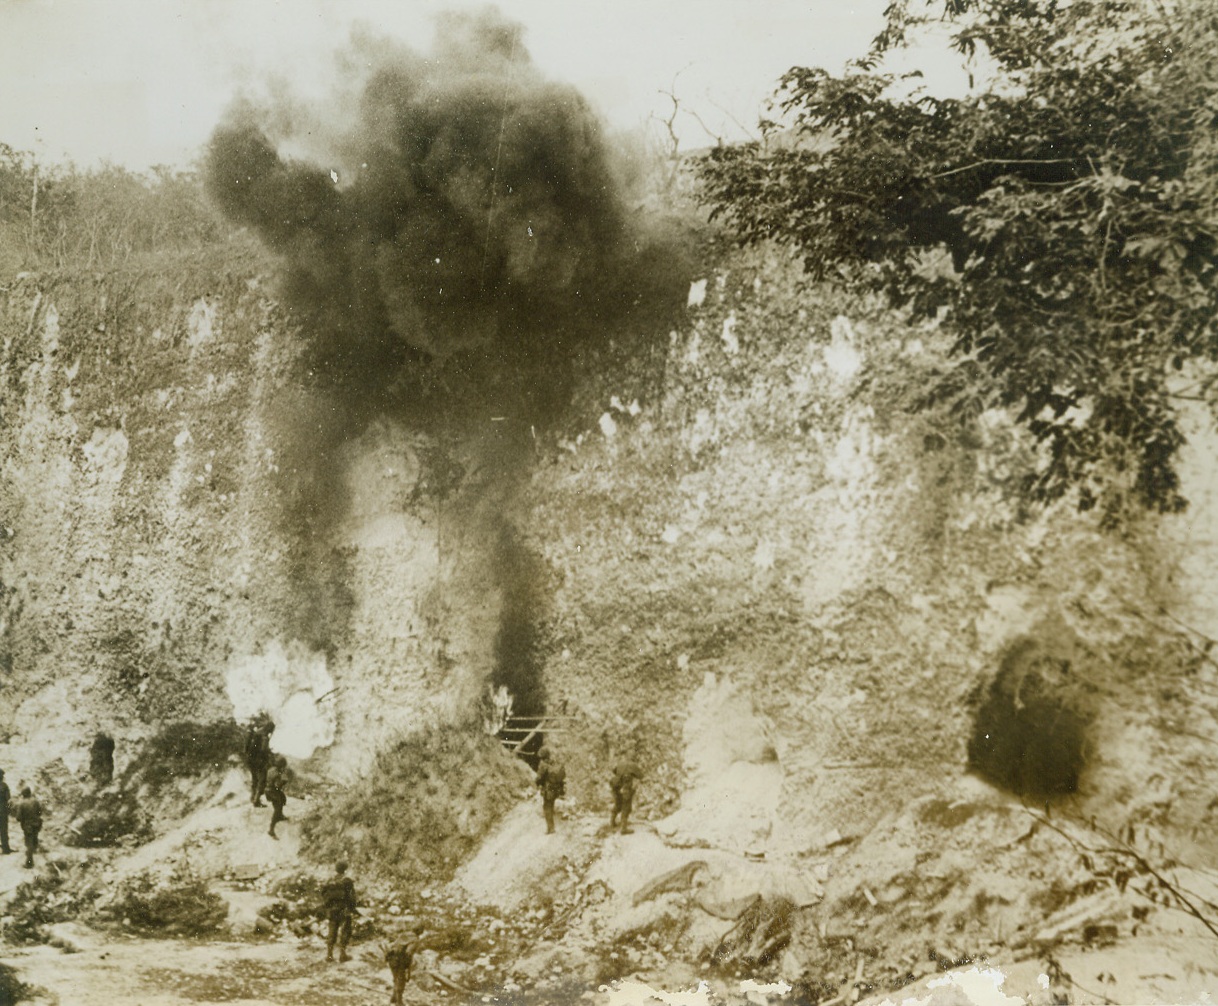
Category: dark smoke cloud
[476,240]
[477,204]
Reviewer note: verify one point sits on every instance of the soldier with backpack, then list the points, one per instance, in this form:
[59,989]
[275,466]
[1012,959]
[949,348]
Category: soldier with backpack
[28,812]
[276,783]
[399,955]
[258,756]
[623,783]
[552,781]
[338,903]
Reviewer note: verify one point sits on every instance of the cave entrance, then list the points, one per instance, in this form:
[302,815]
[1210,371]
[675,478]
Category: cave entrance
[524,583]
[1030,733]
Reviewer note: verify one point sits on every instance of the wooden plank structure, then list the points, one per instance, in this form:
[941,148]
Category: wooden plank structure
[519,730]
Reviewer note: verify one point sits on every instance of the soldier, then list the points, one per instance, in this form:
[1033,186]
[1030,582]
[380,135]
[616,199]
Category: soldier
[625,779]
[400,958]
[28,812]
[275,783]
[338,897]
[552,781]
[258,757]
[101,759]
[5,849]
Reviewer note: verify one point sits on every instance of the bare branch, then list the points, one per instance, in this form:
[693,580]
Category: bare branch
[1002,160]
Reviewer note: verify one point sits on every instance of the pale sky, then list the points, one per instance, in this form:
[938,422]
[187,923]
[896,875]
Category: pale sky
[141,82]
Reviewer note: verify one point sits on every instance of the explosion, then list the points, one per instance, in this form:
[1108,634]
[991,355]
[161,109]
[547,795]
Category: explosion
[454,232]
[468,203]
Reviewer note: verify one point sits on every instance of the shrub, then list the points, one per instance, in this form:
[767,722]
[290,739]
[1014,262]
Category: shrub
[44,901]
[423,807]
[12,989]
[105,819]
[186,749]
[182,906]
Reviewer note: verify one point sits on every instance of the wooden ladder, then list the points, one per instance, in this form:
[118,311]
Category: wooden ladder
[519,730]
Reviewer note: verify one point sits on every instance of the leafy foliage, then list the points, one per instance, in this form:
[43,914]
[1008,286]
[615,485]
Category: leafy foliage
[1076,194]
[43,901]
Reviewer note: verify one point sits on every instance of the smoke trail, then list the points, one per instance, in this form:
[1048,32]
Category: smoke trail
[454,232]
[522,578]
[476,204]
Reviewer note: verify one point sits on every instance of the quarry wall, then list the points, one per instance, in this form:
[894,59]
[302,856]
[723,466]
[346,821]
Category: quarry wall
[167,552]
[735,551]
[794,592]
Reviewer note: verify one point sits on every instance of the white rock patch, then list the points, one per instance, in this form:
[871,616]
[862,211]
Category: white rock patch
[200,323]
[106,454]
[841,356]
[290,683]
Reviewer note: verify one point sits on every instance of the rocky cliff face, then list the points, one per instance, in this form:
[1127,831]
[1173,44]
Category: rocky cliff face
[186,538]
[774,569]
[734,551]
[744,517]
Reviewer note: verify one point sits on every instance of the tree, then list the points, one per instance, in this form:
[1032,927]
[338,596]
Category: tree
[1076,193]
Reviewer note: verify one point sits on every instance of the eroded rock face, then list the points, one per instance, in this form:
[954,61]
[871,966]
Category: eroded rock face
[771,580]
[184,534]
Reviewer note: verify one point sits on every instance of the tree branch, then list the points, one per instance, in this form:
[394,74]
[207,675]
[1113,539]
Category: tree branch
[1003,160]
[1122,848]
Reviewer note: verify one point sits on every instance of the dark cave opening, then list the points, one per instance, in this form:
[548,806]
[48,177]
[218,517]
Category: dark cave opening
[1030,732]
[522,579]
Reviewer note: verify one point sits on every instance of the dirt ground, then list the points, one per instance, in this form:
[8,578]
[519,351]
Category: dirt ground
[135,972]
[603,894]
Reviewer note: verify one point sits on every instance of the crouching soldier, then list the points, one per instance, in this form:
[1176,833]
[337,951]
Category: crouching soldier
[276,781]
[338,897]
[28,812]
[552,781]
[623,784]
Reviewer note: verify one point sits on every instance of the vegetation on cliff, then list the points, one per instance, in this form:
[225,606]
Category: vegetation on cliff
[1072,202]
[63,217]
